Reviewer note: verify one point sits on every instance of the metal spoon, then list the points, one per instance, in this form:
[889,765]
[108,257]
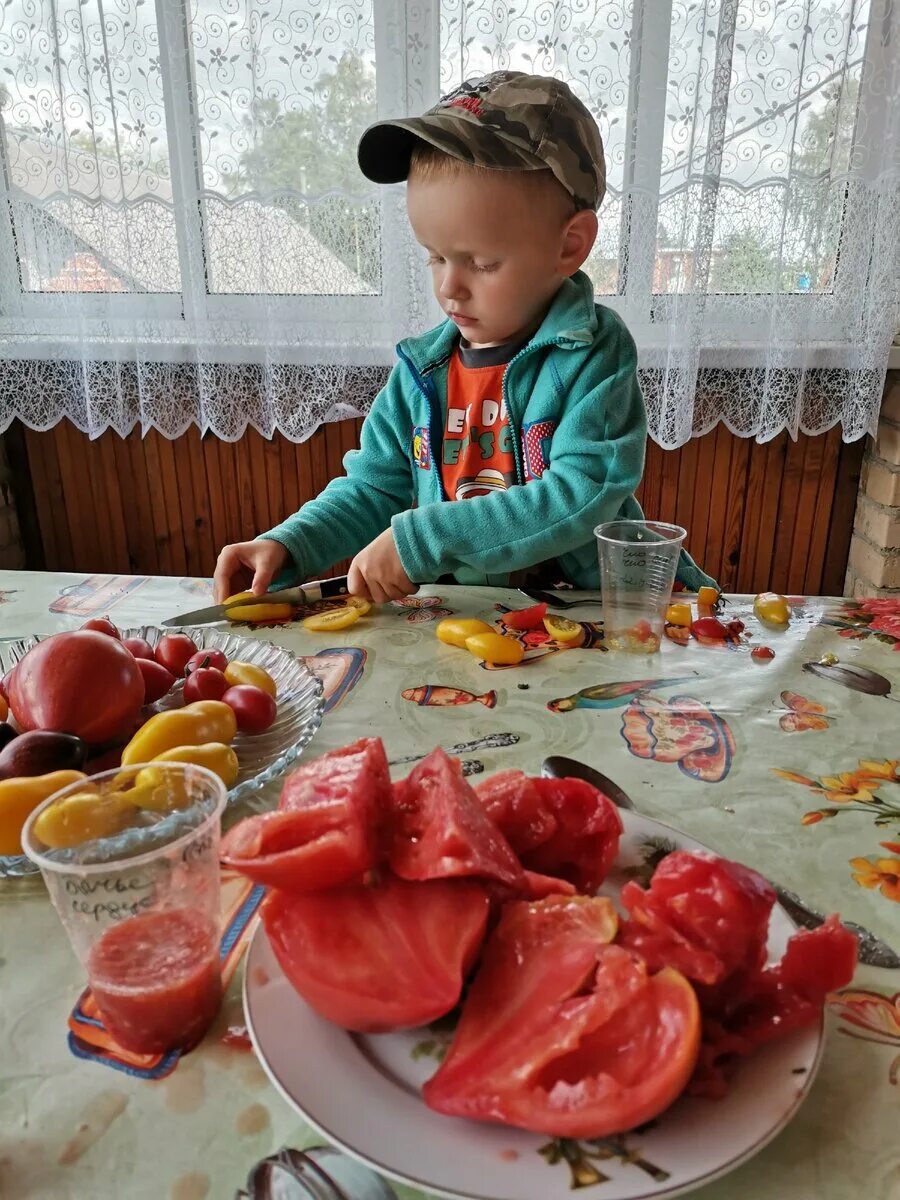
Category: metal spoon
[553,600]
[872,950]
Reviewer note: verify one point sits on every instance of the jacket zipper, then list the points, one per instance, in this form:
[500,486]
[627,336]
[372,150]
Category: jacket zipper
[504,395]
[435,434]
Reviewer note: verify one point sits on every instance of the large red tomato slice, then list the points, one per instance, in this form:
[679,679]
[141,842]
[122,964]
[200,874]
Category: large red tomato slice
[562,827]
[440,830]
[328,828]
[564,1034]
[703,915]
[373,959]
[83,682]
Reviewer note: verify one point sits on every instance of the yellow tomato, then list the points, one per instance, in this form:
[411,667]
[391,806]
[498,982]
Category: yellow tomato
[561,629]
[20,797]
[243,672]
[82,817]
[359,602]
[495,648]
[453,631]
[680,613]
[194,725]
[709,596]
[215,756]
[333,620]
[256,609]
[772,609]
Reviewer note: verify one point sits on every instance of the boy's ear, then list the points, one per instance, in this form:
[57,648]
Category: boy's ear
[578,241]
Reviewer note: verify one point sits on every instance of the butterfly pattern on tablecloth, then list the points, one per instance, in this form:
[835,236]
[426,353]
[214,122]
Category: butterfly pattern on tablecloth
[803,714]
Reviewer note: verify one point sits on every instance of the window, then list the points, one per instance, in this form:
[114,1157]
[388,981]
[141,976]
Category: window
[184,172]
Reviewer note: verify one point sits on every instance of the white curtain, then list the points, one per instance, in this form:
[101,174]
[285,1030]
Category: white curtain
[186,237]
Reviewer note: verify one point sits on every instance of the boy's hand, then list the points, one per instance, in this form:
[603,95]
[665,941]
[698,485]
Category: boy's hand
[248,565]
[377,573]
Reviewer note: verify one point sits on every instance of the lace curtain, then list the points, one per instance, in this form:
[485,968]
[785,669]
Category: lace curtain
[186,237]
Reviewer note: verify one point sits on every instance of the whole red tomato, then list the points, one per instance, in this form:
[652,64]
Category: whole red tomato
[253,708]
[206,683]
[102,625]
[206,658]
[139,647]
[157,680]
[174,651]
[82,682]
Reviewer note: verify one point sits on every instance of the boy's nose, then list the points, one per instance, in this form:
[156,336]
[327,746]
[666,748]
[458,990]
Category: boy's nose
[453,287]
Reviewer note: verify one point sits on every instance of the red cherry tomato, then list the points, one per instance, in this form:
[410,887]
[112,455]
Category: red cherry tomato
[139,647]
[102,625]
[174,652]
[157,680]
[206,658]
[762,654]
[254,709]
[206,683]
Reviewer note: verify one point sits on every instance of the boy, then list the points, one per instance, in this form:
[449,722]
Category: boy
[507,434]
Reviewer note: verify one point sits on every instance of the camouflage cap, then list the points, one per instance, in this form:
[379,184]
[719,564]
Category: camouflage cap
[508,121]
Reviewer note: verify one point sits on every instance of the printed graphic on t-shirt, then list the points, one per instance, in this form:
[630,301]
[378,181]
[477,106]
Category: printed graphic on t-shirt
[478,452]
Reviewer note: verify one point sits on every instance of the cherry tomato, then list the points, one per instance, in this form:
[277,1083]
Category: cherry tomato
[206,658]
[762,654]
[205,683]
[102,625]
[253,708]
[157,680]
[139,647]
[709,627]
[174,652]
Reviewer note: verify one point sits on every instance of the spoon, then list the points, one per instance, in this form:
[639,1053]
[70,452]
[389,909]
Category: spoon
[872,950]
[553,600]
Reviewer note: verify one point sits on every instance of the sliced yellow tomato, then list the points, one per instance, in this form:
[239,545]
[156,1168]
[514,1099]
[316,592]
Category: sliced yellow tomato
[257,609]
[359,602]
[453,631]
[680,613]
[561,629]
[495,648]
[333,620]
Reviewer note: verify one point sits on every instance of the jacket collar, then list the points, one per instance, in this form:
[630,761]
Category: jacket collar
[571,323]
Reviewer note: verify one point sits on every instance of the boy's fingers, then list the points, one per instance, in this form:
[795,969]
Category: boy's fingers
[261,581]
[225,567]
[356,584]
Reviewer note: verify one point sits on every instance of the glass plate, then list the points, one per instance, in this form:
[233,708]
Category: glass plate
[263,757]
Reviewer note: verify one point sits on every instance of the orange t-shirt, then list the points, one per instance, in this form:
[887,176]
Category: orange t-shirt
[478,451]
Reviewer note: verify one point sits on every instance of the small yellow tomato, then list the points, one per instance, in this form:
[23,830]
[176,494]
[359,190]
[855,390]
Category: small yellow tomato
[257,609]
[359,602]
[709,596]
[772,610]
[453,631]
[237,673]
[333,620]
[495,648]
[680,614]
[82,817]
[561,629]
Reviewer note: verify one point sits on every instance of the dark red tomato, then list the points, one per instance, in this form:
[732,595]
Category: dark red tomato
[328,827]
[139,647]
[83,682]
[559,827]
[254,709]
[564,1034]
[439,828]
[174,651]
[102,625]
[703,915]
[526,618]
[378,958]
[206,658]
[708,629]
[157,680]
[205,683]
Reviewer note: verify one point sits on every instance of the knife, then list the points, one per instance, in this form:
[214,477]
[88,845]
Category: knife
[318,589]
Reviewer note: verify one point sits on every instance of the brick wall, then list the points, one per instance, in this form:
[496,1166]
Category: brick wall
[12,553]
[874,568]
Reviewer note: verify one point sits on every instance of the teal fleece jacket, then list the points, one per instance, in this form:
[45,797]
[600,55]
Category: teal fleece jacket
[578,428]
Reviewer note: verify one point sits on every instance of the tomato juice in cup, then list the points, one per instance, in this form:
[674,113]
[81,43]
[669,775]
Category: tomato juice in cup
[131,863]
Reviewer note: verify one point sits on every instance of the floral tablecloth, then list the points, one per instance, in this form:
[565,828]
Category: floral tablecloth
[787,769]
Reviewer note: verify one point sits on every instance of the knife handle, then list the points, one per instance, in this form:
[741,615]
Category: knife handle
[326,589]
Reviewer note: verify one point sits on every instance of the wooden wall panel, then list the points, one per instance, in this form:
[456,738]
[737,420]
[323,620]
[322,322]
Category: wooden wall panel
[776,515]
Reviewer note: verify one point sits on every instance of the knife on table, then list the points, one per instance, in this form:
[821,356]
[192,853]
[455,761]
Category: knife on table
[308,593]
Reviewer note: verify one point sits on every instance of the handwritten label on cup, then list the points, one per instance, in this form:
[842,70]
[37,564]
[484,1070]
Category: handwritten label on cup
[109,898]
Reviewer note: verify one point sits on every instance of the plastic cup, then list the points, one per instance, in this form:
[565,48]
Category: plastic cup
[638,560]
[131,863]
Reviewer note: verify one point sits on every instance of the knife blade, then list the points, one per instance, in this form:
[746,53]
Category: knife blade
[308,593]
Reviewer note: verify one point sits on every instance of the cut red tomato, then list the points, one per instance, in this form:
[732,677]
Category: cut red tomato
[440,830]
[378,958]
[560,827]
[526,618]
[703,915]
[564,1034]
[327,831]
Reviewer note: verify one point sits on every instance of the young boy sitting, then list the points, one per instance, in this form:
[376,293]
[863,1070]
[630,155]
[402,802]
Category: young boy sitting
[524,405]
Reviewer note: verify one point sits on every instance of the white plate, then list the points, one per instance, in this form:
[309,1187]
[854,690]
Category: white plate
[362,1093]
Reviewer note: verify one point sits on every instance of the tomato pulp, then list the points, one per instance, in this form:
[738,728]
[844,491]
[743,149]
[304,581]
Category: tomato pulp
[156,979]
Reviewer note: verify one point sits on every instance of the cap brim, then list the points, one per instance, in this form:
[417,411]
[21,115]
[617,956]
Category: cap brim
[385,149]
